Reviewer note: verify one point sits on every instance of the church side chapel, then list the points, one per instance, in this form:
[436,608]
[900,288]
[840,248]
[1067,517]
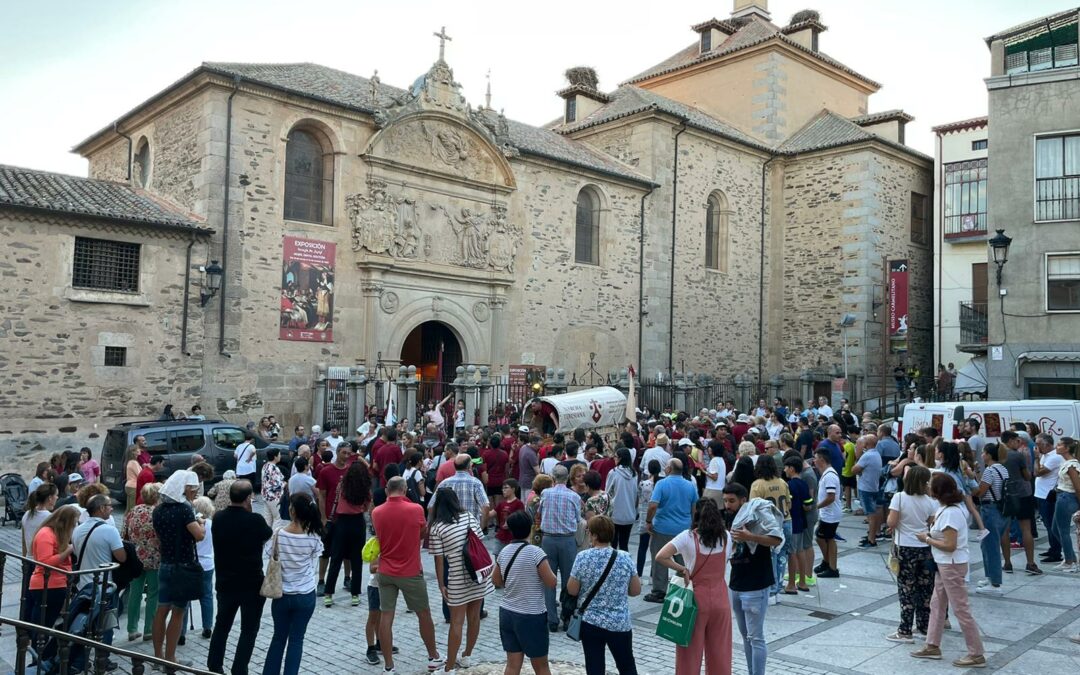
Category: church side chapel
[715,214]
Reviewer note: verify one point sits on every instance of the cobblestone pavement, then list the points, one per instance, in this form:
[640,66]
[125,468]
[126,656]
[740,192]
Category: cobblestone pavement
[838,628]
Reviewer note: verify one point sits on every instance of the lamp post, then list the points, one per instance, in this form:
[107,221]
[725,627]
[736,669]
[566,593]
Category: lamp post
[999,247]
[211,282]
[846,321]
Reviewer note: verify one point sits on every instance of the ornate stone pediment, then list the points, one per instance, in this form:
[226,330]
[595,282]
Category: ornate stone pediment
[426,227]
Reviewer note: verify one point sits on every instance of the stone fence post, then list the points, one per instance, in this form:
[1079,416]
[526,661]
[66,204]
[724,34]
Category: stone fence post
[357,397]
[472,395]
[411,385]
[318,395]
[742,392]
[485,393]
[680,392]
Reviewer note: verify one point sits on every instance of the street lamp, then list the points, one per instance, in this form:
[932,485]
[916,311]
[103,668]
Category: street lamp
[999,246]
[211,282]
[846,321]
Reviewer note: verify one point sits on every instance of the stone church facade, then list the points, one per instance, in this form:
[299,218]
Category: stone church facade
[715,214]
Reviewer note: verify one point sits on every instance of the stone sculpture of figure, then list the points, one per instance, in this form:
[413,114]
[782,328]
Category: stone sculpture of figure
[471,239]
[407,234]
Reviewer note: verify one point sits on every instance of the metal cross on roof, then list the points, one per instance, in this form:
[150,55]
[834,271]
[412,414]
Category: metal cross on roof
[443,37]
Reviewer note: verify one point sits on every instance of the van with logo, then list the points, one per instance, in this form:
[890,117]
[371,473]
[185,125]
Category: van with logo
[1057,417]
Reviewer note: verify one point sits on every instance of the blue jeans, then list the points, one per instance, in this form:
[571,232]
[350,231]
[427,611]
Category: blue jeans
[1046,513]
[991,543]
[749,608]
[780,560]
[291,615]
[560,550]
[1064,509]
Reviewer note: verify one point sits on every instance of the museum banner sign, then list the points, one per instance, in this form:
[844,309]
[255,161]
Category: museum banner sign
[307,290]
[898,305]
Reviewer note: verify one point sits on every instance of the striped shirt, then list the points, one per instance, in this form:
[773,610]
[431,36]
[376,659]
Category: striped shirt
[448,540]
[994,476]
[298,554]
[523,590]
[560,510]
[470,492]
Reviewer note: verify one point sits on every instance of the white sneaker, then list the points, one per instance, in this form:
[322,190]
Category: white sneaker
[774,599]
[435,664]
[1071,568]
[984,582]
[464,661]
[990,590]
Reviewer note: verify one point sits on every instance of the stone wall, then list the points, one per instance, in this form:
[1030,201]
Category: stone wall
[55,391]
[846,213]
[111,162]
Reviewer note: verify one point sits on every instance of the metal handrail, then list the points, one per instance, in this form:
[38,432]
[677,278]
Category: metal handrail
[24,629]
[137,658]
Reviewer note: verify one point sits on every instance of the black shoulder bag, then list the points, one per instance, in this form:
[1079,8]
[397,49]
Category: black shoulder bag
[573,629]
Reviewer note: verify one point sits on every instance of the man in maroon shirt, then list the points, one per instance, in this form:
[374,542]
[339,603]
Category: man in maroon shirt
[386,454]
[146,475]
[326,487]
[496,461]
[742,423]
[399,524]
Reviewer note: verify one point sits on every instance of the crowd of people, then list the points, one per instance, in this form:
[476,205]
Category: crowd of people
[733,503]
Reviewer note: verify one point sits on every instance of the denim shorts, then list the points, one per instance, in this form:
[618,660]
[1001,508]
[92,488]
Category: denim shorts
[870,501]
[526,633]
[165,583]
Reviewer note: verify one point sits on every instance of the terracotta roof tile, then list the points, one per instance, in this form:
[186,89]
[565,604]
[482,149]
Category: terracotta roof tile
[72,195]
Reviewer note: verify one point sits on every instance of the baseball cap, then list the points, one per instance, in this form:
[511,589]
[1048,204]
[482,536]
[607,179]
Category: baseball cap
[74,478]
[524,428]
[685,441]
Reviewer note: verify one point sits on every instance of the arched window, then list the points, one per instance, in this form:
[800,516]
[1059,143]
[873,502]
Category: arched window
[716,232]
[587,227]
[309,178]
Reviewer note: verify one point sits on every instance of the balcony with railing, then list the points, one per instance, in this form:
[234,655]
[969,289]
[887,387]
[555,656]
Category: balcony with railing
[965,226]
[973,327]
[1057,198]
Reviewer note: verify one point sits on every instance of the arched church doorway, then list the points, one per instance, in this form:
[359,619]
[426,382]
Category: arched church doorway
[435,351]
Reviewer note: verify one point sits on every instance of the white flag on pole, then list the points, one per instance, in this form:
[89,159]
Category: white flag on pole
[391,420]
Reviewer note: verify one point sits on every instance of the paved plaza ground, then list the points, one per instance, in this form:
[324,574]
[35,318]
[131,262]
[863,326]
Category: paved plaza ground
[838,628]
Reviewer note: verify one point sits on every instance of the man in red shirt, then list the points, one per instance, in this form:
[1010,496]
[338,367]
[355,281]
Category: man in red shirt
[146,475]
[389,452]
[399,524]
[446,466]
[326,487]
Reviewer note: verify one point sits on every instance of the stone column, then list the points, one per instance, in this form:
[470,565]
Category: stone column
[459,387]
[498,321]
[401,395]
[777,384]
[807,379]
[560,384]
[471,396]
[359,399]
[742,392]
[411,385]
[355,416]
[318,395]
[680,392]
[372,289]
[485,393]
[623,380]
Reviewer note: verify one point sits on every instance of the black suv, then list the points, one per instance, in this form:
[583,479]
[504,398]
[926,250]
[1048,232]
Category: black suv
[178,440]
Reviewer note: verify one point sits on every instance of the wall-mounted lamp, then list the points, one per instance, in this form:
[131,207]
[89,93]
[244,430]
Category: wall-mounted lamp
[999,246]
[211,282]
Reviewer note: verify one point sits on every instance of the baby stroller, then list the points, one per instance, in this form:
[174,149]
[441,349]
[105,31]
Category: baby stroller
[83,613]
[15,492]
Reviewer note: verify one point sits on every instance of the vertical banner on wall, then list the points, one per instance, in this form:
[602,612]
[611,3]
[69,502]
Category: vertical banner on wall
[307,290]
[898,305]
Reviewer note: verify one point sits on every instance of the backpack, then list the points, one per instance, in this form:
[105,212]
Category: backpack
[474,554]
[412,486]
[430,478]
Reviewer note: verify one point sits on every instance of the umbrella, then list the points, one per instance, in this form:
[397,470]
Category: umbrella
[971,379]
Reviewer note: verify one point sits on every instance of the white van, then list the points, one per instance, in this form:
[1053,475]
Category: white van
[1057,417]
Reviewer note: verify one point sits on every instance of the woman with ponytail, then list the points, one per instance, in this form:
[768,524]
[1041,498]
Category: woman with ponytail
[298,547]
[700,555]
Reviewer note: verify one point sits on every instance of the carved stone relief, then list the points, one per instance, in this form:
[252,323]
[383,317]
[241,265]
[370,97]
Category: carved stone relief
[389,302]
[436,144]
[481,312]
[435,229]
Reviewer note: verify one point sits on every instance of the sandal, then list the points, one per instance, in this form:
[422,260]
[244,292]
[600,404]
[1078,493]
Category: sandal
[787,592]
[804,589]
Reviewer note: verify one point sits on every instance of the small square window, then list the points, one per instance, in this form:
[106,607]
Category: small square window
[980,144]
[116,356]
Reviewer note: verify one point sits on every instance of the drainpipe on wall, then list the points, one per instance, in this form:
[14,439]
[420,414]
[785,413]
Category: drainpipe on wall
[187,294]
[940,249]
[761,281]
[225,222]
[641,280]
[674,212]
[116,128]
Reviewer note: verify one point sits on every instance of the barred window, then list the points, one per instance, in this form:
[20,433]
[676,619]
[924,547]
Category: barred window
[106,265]
[116,356]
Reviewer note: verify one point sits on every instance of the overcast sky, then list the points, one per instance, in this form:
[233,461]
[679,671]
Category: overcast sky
[73,66]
